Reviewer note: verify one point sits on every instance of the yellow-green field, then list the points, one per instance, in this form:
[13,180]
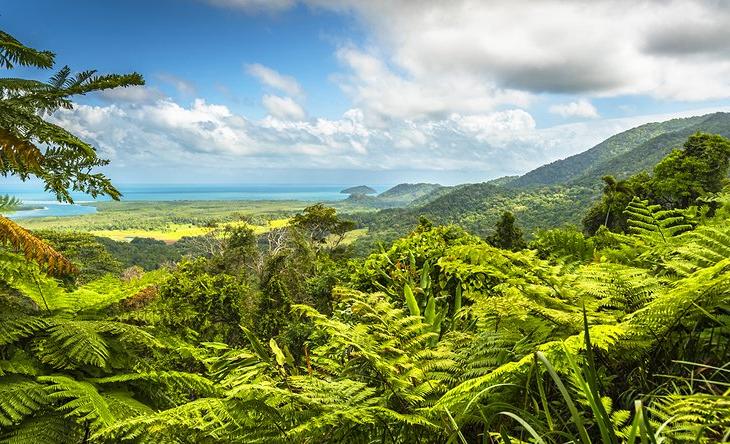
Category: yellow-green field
[174,232]
[171,221]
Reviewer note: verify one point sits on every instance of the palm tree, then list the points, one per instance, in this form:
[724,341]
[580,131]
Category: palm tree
[611,190]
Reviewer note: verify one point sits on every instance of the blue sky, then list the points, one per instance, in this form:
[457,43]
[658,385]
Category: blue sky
[325,91]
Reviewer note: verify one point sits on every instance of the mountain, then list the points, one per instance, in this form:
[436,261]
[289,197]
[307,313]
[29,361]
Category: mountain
[359,190]
[401,195]
[408,191]
[625,153]
[553,195]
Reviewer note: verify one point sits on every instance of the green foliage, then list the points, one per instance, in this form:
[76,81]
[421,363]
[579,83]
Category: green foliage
[567,244]
[88,253]
[650,221]
[149,254]
[623,154]
[9,204]
[442,337]
[54,342]
[320,222]
[203,306]
[687,174]
[507,235]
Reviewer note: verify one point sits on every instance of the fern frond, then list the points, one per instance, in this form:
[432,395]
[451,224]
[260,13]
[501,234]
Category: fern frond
[50,428]
[79,399]
[178,381]
[701,248]
[21,240]
[19,398]
[15,326]
[12,53]
[650,221]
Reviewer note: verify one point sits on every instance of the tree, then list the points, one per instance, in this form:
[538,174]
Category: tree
[692,172]
[33,147]
[89,252]
[617,194]
[320,222]
[507,234]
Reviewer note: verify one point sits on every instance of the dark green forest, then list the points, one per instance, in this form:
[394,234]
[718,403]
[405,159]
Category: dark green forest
[480,322]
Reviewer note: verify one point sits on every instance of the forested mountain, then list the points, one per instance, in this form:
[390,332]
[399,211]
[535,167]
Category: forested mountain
[625,153]
[358,190]
[401,195]
[477,207]
[553,195]
[408,192]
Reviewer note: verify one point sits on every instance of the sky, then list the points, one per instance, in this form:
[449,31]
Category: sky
[377,91]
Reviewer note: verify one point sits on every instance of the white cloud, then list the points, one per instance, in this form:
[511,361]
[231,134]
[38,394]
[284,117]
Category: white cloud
[675,49]
[131,94]
[274,79]
[282,107]
[202,136]
[579,108]
[386,94]
[184,87]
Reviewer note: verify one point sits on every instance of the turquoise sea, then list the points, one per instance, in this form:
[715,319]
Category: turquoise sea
[34,195]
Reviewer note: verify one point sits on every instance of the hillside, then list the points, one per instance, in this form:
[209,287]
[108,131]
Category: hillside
[408,192]
[477,207]
[550,196]
[401,195]
[358,190]
[646,155]
[625,153]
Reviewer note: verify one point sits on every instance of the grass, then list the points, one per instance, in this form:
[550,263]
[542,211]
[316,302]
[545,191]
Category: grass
[171,221]
[174,232]
[352,236]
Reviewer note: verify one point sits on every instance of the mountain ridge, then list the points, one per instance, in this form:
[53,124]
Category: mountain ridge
[609,156]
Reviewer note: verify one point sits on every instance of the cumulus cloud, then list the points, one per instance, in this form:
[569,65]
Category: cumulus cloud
[282,107]
[130,94]
[204,136]
[374,86]
[600,48]
[184,87]
[579,108]
[440,86]
[274,79]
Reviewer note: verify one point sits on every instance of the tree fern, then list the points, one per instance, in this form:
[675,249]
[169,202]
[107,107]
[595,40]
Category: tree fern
[20,397]
[79,400]
[650,221]
[21,240]
[703,247]
[50,428]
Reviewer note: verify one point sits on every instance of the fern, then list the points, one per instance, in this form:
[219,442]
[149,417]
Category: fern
[19,398]
[50,428]
[79,400]
[8,204]
[650,221]
[619,287]
[21,240]
[701,248]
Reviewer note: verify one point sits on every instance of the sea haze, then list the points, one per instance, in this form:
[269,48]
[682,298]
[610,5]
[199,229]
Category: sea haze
[35,196]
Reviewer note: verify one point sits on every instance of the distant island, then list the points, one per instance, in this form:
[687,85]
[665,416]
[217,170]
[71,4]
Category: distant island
[361,190]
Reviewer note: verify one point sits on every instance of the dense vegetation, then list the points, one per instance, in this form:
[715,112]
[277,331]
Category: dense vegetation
[624,154]
[444,336]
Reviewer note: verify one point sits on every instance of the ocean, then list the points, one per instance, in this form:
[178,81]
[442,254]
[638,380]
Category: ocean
[33,195]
